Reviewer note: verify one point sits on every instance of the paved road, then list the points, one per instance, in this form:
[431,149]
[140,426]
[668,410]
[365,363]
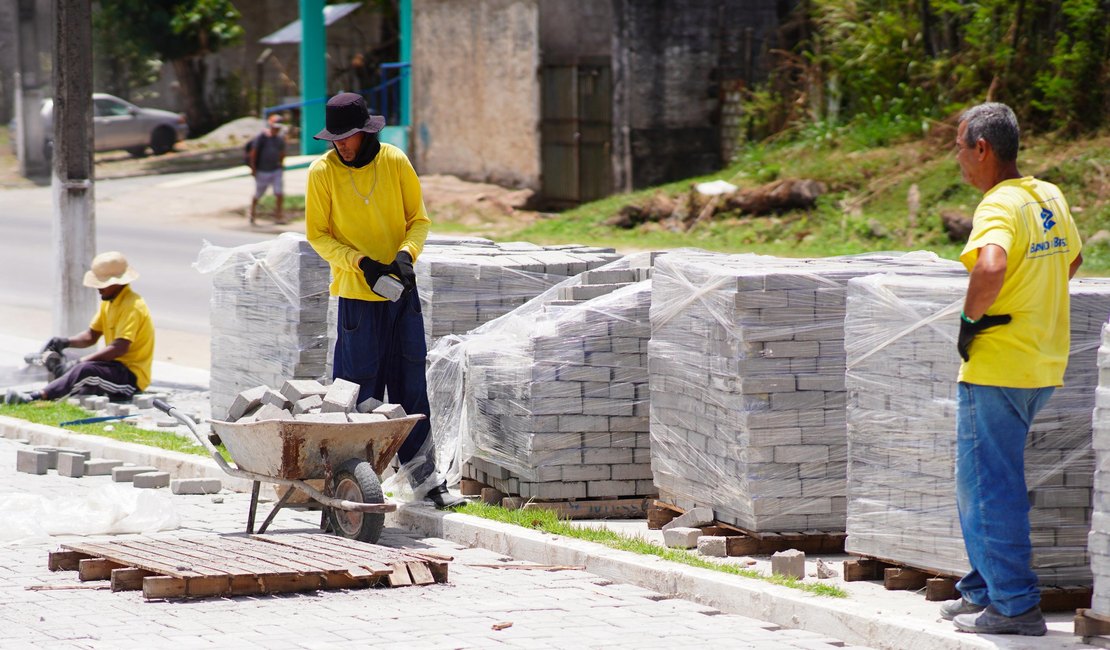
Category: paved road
[564,609]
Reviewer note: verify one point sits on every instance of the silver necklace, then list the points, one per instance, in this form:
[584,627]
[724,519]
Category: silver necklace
[365,197]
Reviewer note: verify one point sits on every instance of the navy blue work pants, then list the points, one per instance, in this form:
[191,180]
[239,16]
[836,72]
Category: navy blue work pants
[380,346]
[110,378]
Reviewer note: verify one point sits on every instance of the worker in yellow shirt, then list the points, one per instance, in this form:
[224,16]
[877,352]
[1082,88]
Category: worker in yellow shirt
[365,215]
[122,367]
[1014,342]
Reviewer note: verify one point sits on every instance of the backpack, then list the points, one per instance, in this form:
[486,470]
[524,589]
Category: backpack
[247,151]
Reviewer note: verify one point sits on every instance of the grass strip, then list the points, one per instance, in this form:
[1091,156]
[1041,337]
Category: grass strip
[54,413]
[548,521]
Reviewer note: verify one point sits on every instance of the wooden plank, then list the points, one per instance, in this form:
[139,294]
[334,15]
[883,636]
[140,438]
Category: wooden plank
[1063,599]
[96,568]
[941,588]
[468,487]
[160,564]
[65,560]
[420,573]
[737,545]
[128,579]
[658,516]
[274,559]
[214,556]
[1089,624]
[627,508]
[400,576]
[354,561]
[863,569]
[903,579]
[282,584]
[163,587]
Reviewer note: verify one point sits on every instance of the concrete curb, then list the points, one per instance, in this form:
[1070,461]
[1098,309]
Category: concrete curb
[840,618]
[179,465]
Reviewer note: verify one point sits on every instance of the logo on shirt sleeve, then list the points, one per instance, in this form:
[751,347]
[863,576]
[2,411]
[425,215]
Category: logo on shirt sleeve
[1047,219]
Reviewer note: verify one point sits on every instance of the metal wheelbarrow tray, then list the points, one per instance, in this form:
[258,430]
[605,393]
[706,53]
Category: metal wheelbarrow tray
[347,456]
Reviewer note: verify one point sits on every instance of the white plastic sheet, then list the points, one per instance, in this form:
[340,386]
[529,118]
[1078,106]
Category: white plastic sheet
[107,510]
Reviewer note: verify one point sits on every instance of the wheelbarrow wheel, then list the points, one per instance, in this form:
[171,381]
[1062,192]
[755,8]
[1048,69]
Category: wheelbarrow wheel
[355,480]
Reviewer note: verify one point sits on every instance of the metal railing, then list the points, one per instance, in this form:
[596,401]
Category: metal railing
[383,99]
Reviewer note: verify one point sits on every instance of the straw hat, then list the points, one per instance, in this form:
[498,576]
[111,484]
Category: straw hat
[110,269]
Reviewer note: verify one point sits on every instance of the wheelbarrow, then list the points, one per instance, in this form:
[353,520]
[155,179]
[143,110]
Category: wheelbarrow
[348,456]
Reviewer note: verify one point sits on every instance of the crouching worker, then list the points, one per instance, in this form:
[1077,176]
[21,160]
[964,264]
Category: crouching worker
[122,367]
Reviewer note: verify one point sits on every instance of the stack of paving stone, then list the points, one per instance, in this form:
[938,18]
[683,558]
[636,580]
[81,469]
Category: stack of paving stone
[465,283]
[269,315]
[551,401]
[1098,542]
[747,384]
[307,400]
[902,365]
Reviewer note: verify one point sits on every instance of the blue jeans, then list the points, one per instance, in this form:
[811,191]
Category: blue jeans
[992,424]
[380,346]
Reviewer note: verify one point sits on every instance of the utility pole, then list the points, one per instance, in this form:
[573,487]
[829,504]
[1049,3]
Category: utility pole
[314,75]
[74,229]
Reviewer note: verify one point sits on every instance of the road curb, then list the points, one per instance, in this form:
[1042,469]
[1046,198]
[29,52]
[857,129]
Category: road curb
[839,618]
[179,465]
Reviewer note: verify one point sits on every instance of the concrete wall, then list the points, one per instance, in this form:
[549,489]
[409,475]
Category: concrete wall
[671,57]
[8,61]
[575,30]
[476,90]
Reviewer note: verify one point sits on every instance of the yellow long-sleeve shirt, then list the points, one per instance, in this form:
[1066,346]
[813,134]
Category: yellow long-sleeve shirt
[374,211]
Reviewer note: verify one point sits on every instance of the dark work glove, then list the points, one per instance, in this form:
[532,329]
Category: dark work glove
[402,265]
[969,330]
[56,344]
[372,270]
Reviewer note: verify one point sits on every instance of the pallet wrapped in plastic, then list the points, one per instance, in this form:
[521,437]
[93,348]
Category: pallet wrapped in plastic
[550,401]
[269,315]
[902,364]
[467,282]
[1098,541]
[746,365]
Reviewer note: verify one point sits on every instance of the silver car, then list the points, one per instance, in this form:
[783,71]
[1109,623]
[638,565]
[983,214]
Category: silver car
[118,124]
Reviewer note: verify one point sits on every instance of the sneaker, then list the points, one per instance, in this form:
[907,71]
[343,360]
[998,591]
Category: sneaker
[953,608]
[442,497]
[989,621]
[15,397]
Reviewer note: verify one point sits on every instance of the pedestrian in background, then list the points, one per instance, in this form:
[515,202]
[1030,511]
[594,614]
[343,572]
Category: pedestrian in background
[365,215]
[1014,340]
[266,160]
[122,367]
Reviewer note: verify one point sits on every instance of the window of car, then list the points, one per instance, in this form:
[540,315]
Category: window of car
[109,108]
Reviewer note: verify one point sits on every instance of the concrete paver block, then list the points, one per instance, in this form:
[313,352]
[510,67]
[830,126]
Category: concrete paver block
[143,401]
[101,466]
[150,480]
[51,456]
[295,390]
[306,404]
[30,461]
[332,418]
[790,563]
[277,399]
[271,412]
[245,401]
[692,518]
[391,411]
[125,473]
[366,417]
[342,397]
[368,405]
[681,537]
[713,546]
[71,465]
[195,485]
[73,450]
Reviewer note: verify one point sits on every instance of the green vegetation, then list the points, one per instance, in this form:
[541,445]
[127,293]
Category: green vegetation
[548,521]
[54,413]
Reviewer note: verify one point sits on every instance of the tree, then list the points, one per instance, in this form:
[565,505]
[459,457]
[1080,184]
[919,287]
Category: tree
[181,32]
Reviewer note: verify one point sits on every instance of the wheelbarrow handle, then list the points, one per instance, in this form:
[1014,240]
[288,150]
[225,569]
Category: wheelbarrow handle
[161,405]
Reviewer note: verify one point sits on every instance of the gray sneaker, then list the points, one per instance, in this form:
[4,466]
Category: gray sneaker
[15,397]
[953,608]
[989,621]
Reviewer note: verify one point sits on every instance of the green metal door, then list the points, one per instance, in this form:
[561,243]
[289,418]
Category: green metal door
[576,126]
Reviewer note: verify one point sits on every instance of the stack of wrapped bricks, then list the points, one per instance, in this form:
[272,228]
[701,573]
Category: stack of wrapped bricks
[902,366]
[551,402]
[747,384]
[465,283]
[1098,542]
[269,315]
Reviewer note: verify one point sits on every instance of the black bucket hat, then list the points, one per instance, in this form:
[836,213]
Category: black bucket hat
[345,115]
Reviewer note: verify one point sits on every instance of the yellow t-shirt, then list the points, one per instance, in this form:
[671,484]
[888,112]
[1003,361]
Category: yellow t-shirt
[1030,219]
[127,317]
[375,211]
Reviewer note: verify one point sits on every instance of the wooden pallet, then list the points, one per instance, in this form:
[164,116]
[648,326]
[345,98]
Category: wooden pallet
[941,586]
[603,508]
[746,542]
[1094,628]
[234,565]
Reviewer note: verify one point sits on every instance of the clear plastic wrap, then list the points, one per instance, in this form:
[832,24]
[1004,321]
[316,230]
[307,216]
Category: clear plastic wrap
[465,283]
[1098,541]
[550,401]
[269,315]
[746,365]
[105,510]
[900,334]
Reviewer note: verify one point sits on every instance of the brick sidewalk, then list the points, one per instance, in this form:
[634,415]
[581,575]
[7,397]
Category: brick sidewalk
[571,609]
